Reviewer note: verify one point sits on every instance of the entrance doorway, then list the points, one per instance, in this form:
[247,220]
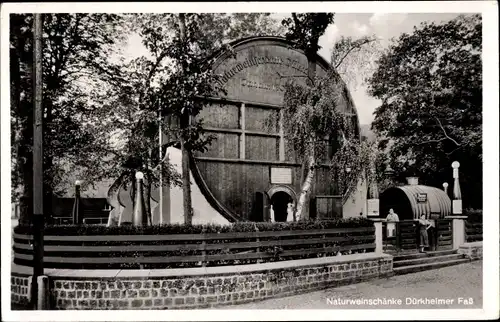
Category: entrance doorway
[280,201]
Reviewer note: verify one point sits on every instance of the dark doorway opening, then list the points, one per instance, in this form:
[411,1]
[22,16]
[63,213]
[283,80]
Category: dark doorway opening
[280,201]
[397,200]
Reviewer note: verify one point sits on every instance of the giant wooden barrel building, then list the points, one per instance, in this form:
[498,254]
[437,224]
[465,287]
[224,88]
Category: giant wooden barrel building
[250,165]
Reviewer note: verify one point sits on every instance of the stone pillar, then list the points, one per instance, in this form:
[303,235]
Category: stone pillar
[43,302]
[379,242]
[458,226]
[30,289]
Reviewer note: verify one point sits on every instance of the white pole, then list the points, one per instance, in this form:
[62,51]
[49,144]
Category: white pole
[457,195]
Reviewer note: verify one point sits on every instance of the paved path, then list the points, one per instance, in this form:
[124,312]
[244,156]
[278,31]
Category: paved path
[446,284]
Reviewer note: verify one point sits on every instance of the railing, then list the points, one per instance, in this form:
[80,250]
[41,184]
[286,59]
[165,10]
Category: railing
[193,250]
[86,221]
[444,233]
[403,237]
[406,236]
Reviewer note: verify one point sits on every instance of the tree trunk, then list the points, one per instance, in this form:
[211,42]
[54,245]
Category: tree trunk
[311,69]
[186,182]
[305,193]
[186,185]
[302,210]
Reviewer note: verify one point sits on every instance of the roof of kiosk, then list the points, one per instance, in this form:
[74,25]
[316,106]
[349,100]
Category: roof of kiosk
[436,200]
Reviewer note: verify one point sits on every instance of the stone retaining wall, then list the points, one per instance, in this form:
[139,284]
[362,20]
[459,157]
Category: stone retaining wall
[202,288]
[472,250]
[20,289]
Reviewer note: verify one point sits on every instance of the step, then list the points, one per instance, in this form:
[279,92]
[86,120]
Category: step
[425,254]
[401,252]
[427,260]
[425,267]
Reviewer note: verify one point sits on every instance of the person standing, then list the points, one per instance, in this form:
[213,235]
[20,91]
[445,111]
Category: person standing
[391,219]
[424,237]
[290,212]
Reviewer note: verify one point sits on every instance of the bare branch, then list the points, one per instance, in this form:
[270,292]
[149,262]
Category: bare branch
[431,141]
[155,67]
[357,46]
[444,131]
[449,153]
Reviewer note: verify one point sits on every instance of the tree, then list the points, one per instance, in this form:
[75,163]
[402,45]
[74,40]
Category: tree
[304,123]
[353,59]
[184,123]
[75,52]
[430,86]
[314,120]
[312,123]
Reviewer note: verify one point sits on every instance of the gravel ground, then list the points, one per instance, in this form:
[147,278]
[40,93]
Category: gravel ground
[459,285]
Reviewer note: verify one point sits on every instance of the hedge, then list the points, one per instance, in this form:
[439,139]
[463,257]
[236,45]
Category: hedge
[169,229]
[473,215]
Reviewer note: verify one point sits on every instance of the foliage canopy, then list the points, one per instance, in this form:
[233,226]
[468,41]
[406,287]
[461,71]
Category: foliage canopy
[430,85]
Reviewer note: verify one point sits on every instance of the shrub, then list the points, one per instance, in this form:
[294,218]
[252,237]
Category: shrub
[474,215]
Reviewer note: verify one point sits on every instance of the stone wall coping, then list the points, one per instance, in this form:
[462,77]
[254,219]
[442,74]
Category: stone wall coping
[199,271]
[472,244]
[456,217]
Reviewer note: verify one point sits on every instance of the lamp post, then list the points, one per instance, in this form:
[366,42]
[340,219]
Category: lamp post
[77,215]
[445,187]
[139,219]
[373,201]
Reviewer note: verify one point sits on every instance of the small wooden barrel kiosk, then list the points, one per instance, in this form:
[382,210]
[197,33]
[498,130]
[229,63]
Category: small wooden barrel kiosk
[410,202]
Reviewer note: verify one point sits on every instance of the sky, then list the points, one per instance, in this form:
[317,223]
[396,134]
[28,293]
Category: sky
[384,26]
